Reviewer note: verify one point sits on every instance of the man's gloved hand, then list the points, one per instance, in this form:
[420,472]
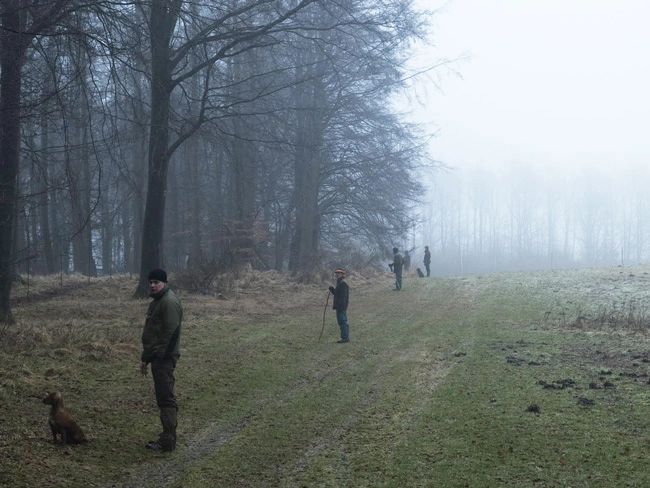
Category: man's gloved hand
[332,290]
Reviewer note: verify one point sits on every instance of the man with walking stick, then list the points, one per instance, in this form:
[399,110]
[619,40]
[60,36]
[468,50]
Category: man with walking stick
[341,298]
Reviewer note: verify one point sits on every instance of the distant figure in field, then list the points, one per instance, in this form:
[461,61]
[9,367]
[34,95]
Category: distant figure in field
[427,260]
[341,299]
[396,267]
[420,273]
[407,260]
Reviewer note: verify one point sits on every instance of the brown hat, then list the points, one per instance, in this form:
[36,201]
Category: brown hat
[339,270]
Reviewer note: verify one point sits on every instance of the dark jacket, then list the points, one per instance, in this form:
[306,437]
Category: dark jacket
[427,257]
[341,295]
[398,262]
[162,329]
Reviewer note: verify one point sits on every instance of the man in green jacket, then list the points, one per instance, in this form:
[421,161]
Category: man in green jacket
[396,267]
[161,349]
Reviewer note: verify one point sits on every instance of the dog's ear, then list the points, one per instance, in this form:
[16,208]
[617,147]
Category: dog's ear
[53,398]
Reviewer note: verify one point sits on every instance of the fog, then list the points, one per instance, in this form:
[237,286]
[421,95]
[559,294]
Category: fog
[284,155]
[547,103]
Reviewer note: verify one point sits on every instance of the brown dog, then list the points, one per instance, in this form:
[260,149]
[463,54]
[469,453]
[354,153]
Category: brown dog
[61,422]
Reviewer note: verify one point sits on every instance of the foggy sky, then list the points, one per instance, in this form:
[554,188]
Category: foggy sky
[549,83]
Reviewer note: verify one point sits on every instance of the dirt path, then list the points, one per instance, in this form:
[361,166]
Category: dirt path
[377,351]
[380,350]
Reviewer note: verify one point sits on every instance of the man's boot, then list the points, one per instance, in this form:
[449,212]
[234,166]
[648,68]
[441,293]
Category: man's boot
[167,440]
[169,422]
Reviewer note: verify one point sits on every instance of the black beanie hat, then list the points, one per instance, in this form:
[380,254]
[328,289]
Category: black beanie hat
[395,250]
[158,275]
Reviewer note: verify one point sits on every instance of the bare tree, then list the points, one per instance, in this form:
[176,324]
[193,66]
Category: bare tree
[356,160]
[223,34]
[21,22]
[279,107]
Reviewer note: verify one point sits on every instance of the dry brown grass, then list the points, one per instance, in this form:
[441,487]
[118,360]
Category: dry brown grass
[72,319]
[98,316]
[94,318]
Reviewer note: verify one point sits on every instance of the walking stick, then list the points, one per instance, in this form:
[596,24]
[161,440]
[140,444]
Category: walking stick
[324,311]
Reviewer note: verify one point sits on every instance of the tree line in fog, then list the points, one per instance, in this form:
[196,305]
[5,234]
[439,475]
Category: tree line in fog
[482,220]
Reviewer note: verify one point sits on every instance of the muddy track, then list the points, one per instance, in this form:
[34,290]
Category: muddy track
[430,369]
[165,469]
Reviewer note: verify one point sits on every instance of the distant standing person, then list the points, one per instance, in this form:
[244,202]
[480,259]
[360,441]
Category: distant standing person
[341,299]
[427,260]
[407,260]
[396,267]
[161,349]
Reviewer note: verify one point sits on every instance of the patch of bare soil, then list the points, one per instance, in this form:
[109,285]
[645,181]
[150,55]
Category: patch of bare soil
[598,363]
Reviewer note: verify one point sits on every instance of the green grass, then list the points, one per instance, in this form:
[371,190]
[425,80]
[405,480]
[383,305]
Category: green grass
[435,389]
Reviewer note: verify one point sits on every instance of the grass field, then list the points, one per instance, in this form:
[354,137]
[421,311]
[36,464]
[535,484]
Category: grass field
[506,380]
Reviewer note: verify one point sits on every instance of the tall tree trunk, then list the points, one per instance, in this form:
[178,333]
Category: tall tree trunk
[127,221]
[307,175]
[245,175]
[193,174]
[139,168]
[80,201]
[174,243]
[108,233]
[139,126]
[216,210]
[21,229]
[164,15]
[283,237]
[12,56]
[244,163]
[61,244]
[78,169]
[44,205]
